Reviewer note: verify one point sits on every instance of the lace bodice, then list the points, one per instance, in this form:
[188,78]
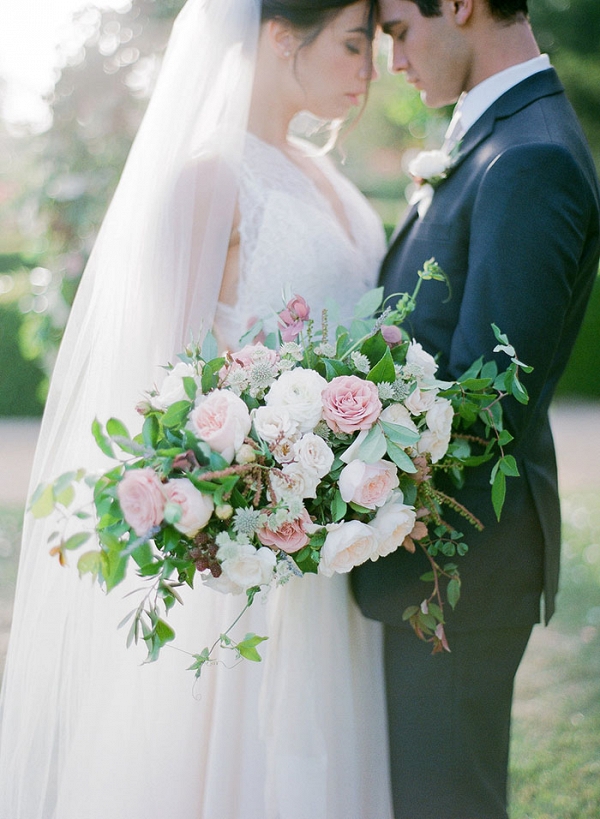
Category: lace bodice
[292,241]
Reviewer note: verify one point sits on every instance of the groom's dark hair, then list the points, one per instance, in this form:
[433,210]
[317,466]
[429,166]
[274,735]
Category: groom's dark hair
[500,9]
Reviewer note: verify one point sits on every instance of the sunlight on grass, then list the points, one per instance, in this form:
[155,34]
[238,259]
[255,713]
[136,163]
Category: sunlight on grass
[555,770]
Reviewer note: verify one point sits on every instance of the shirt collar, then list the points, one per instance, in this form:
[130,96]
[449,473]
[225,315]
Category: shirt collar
[474,103]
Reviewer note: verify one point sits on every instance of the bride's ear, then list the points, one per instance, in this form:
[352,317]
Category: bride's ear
[281,38]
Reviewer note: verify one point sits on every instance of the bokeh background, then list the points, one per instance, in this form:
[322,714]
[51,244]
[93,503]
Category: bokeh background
[61,153]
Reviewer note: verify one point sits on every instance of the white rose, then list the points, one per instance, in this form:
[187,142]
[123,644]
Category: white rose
[398,414]
[351,544]
[299,392]
[392,523]
[312,453]
[196,507]
[419,401]
[439,417]
[172,388]
[222,584]
[417,355]
[274,423]
[429,164]
[434,444]
[301,482]
[249,566]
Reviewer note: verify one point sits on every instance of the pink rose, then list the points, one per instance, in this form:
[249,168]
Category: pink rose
[348,545]
[140,494]
[368,485]
[350,403]
[290,537]
[254,353]
[223,421]
[196,507]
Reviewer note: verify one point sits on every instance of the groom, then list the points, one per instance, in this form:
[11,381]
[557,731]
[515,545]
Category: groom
[515,227]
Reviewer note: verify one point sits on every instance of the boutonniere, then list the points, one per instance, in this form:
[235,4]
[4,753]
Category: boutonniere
[428,169]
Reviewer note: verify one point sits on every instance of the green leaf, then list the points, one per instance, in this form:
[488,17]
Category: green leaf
[374,348]
[151,431]
[400,458]
[498,492]
[247,647]
[101,439]
[373,448]
[42,503]
[75,541]
[453,592]
[164,632]
[210,348]
[339,507]
[384,370]
[410,612]
[401,435]
[508,465]
[473,371]
[116,428]
[90,563]
[505,438]
[190,387]
[369,303]
[66,497]
[176,414]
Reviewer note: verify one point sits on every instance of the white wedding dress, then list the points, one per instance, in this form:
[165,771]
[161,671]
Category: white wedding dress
[301,735]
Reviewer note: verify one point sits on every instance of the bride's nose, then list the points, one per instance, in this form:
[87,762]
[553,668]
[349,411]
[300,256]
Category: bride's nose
[369,71]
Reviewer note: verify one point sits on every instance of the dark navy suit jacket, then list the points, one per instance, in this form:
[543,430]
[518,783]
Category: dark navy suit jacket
[516,229]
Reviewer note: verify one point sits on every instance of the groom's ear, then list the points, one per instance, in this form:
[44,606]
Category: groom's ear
[461,11]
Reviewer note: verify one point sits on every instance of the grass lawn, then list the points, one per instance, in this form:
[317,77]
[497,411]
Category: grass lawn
[555,770]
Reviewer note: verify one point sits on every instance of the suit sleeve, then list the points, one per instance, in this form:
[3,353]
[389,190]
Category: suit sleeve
[528,230]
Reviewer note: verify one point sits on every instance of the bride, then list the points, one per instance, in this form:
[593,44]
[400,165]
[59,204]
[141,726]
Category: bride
[217,212]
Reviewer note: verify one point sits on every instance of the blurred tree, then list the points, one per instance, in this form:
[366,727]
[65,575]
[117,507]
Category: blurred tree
[109,69]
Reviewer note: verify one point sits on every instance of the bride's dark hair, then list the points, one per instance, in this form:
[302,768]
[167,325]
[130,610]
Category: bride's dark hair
[311,16]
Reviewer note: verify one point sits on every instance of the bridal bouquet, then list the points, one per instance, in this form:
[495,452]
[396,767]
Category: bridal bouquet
[311,451]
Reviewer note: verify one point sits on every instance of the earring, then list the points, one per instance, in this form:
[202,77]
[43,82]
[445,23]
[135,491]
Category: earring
[287,53]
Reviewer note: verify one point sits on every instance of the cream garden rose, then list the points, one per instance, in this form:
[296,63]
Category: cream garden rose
[392,523]
[247,566]
[347,546]
[172,388]
[313,454]
[417,355]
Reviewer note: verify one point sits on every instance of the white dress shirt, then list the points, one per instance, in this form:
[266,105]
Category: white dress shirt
[472,104]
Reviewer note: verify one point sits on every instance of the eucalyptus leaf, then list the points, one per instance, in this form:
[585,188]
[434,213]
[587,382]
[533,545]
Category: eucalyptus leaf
[400,458]
[373,448]
[369,304]
[101,439]
[42,503]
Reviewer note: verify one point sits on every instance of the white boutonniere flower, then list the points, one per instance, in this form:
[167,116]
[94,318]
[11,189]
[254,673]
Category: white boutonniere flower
[428,169]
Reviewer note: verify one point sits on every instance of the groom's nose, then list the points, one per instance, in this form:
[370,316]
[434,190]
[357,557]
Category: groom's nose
[397,61]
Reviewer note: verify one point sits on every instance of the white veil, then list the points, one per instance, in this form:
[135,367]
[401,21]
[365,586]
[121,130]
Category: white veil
[152,279]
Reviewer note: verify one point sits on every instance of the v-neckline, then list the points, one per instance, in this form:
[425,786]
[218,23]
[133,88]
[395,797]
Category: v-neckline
[345,229]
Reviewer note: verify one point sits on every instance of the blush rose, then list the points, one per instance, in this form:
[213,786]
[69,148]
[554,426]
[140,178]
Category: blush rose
[350,403]
[142,500]
[368,485]
[222,420]
[196,507]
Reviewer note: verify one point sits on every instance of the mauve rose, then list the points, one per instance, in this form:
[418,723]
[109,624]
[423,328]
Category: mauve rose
[392,335]
[142,499]
[368,485]
[291,320]
[196,507]
[350,403]
[223,421]
[290,537]
[347,546]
